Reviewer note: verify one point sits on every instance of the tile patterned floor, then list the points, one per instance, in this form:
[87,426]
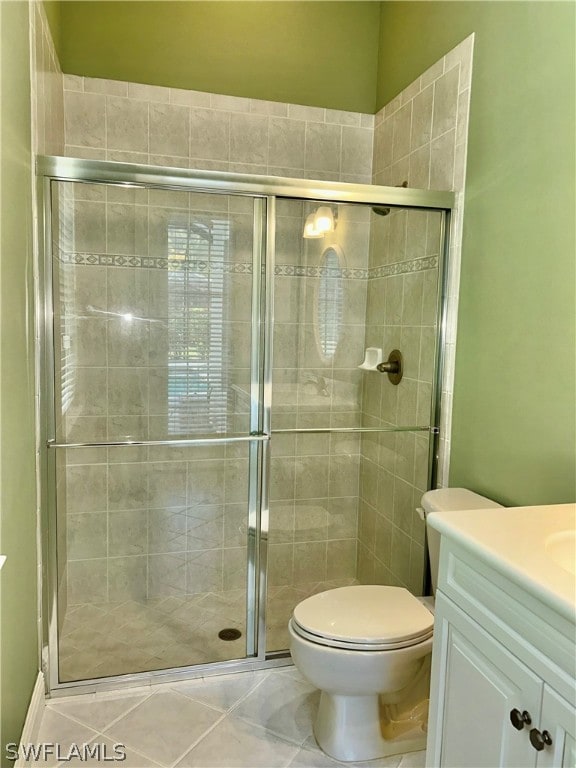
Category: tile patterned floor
[103,639]
[259,719]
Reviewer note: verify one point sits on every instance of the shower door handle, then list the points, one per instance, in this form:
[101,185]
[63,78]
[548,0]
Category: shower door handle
[261,437]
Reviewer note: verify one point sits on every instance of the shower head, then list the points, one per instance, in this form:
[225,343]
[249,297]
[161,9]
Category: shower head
[380,211]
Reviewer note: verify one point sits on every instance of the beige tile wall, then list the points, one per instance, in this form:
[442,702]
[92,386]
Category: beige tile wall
[142,523]
[147,526]
[402,297]
[129,122]
[419,138]
[314,490]
[314,509]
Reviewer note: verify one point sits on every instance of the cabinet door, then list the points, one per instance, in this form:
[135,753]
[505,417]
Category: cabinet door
[559,719]
[483,683]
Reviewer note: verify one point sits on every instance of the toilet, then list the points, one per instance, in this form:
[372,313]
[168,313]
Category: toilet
[368,649]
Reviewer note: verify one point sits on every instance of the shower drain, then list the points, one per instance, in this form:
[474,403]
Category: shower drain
[229,634]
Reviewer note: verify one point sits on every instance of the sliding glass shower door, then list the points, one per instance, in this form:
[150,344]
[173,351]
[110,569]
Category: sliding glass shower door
[215,449]
[154,293]
[350,448]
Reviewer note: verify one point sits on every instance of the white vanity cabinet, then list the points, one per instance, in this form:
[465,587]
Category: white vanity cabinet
[559,718]
[503,689]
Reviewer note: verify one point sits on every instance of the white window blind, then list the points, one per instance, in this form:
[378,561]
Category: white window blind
[66,303]
[197,375]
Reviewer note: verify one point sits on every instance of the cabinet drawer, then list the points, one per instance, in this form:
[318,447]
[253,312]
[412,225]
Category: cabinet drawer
[536,634]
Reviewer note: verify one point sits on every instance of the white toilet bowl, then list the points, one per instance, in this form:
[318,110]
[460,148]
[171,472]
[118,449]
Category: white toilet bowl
[368,649]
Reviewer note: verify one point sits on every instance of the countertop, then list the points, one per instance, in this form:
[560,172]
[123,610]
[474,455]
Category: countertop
[513,540]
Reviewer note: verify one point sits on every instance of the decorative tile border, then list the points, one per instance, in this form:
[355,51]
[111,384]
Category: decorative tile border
[233,267]
[297,270]
[151,262]
[111,260]
[404,267]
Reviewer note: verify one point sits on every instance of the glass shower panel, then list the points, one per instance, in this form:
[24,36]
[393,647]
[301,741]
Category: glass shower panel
[319,317]
[152,300]
[320,293]
[343,504]
[401,313]
[152,326]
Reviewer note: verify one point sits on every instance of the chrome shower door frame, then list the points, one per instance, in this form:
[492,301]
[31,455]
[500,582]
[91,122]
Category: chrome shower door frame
[265,191]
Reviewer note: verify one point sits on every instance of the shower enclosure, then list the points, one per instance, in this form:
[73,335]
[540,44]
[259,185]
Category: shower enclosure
[213,453]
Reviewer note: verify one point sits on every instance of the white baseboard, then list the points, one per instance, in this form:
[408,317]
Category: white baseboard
[33,718]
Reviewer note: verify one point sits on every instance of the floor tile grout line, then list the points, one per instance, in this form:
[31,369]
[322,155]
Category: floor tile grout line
[233,706]
[243,698]
[339,763]
[192,746]
[155,763]
[277,734]
[72,720]
[266,728]
[230,714]
[221,717]
[101,732]
[294,756]
[128,711]
[187,698]
[145,757]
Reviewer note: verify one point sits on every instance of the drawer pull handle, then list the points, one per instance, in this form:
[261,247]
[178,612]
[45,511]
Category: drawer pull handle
[520,719]
[540,740]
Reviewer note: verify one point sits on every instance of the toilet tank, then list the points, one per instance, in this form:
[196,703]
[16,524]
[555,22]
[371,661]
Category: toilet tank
[448,500]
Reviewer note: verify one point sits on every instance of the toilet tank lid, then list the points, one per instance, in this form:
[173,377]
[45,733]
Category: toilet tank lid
[451,499]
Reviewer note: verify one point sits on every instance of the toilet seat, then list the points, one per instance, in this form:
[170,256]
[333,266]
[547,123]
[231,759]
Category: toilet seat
[363,617]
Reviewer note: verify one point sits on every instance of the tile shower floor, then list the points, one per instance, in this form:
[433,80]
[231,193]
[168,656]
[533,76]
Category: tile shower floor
[103,639]
[245,720]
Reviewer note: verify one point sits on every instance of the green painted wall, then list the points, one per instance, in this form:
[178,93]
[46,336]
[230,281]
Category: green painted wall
[320,53]
[18,609]
[513,434]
